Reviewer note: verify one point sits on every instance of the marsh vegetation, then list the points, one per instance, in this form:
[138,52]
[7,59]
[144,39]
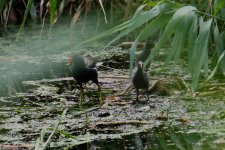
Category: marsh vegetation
[41,106]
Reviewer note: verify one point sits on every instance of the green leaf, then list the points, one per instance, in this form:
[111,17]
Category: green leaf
[143,18]
[134,23]
[155,25]
[200,50]
[53,4]
[217,6]
[222,56]
[171,28]
[219,46]
[192,37]
[180,36]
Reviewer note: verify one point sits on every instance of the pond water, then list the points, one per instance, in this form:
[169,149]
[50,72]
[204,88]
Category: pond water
[178,121]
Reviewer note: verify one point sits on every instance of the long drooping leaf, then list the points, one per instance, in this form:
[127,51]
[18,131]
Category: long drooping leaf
[135,22]
[171,28]
[150,29]
[219,46]
[200,51]
[192,37]
[145,17]
[180,36]
[115,29]
[155,25]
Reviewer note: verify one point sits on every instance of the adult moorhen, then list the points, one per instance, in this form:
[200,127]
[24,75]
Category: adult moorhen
[140,79]
[83,70]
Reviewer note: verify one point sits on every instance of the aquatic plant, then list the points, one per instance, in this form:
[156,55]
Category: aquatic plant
[184,27]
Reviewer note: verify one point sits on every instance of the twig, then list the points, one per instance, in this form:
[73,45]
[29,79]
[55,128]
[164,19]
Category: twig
[115,77]
[117,123]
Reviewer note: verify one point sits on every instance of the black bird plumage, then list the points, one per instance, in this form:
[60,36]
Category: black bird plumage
[140,79]
[83,70]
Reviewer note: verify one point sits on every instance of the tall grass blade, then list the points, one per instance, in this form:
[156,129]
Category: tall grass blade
[53,4]
[29,4]
[40,140]
[222,56]
[2,4]
[103,10]
[64,133]
[41,9]
[86,119]
[77,14]
[61,8]
[7,17]
[55,129]
[218,4]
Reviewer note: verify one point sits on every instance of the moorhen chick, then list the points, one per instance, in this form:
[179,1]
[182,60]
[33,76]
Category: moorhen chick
[140,79]
[83,70]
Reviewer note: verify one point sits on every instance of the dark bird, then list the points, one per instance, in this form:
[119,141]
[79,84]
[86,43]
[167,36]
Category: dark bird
[140,79]
[83,70]
[143,55]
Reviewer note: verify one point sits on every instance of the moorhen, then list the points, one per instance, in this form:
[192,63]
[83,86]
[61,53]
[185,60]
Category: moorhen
[83,70]
[140,79]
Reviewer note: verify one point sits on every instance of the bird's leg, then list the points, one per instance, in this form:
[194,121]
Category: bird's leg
[135,101]
[137,94]
[81,94]
[100,94]
[147,94]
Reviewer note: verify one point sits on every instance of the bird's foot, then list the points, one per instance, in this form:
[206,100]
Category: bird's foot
[135,102]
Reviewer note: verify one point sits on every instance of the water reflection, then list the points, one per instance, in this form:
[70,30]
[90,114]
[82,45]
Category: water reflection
[159,138]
